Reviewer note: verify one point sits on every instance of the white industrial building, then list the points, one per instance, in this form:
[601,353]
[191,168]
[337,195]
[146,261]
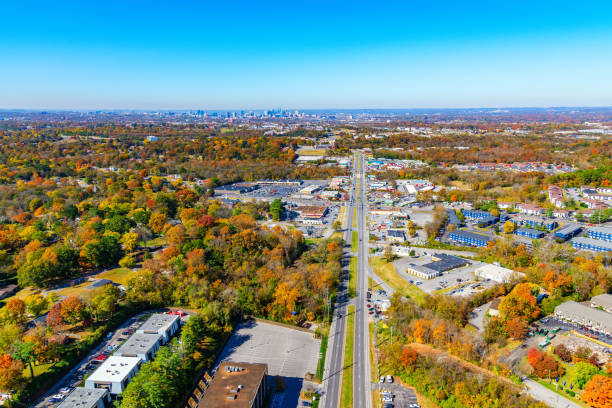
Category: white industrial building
[160,323]
[114,374]
[496,273]
[594,319]
[603,301]
[87,398]
[141,345]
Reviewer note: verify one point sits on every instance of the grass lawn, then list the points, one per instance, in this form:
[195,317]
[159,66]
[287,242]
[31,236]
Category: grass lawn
[354,241]
[79,290]
[22,294]
[346,391]
[352,288]
[38,369]
[117,275]
[155,242]
[551,386]
[386,271]
[354,218]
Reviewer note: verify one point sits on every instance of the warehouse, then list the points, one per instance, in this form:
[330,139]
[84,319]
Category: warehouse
[237,385]
[238,188]
[444,262]
[87,398]
[114,374]
[160,323]
[568,231]
[529,233]
[141,345]
[469,238]
[496,273]
[593,319]
[590,244]
[422,271]
[603,233]
[603,301]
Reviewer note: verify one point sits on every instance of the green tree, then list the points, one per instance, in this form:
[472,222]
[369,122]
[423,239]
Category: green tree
[276,209]
[25,352]
[581,373]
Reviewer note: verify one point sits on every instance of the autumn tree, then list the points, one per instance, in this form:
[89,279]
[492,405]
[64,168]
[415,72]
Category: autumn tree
[11,373]
[72,310]
[54,317]
[517,328]
[408,357]
[16,308]
[508,227]
[157,222]
[36,304]
[598,392]
[520,302]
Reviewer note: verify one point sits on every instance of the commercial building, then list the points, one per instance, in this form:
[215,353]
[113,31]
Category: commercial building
[590,244]
[469,238]
[496,273]
[238,188]
[594,319]
[312,211]
[237,385]
[475,214]
[603,301]
[529,233]
[160,323]
[396,235]
[529,209]
[141,345]
[87,398]
[439,263]
[422,271]
[568,231]
[114,374]
[603,233]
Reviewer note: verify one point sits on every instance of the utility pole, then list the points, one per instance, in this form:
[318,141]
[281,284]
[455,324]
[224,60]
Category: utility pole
[391,335]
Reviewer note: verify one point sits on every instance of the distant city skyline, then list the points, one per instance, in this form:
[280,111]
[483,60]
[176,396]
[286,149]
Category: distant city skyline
[239,55]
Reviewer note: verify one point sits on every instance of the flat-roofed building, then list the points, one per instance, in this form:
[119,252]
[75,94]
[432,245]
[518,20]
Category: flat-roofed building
[568,231]
[529,233]
[87,398]
[603,233]
[422,271]
[396,235]
[161,323]
[603,301]
[594,319]
[496,273]
[469,238]
[237,385]
[113,374]
[590,244]
[141,345]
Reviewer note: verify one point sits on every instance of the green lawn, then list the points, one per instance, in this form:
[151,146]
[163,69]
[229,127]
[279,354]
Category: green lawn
[346,391]
[352,288]
[355,241]
[321,362]
[117,275]
[158,241]
[386,271]
[354,218]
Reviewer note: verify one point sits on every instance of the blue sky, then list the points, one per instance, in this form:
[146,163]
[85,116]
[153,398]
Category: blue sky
[311,54]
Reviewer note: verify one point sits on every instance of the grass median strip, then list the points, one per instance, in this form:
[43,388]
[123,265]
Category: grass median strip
[355,241]
[346,392]
[386,271]
[353,277]
[354,218]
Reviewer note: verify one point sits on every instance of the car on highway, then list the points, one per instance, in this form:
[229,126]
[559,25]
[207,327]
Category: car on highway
[387,399]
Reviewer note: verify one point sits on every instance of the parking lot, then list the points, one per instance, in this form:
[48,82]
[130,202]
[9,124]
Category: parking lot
[402,397]
[289,353]
[461,279]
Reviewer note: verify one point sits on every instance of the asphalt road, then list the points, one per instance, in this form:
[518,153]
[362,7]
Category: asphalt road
[334,363]
[362,394]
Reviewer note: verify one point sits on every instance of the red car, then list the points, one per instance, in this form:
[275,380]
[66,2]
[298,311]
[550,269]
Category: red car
[101,357]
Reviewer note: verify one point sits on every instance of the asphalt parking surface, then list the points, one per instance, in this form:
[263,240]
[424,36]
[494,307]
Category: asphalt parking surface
[403,397]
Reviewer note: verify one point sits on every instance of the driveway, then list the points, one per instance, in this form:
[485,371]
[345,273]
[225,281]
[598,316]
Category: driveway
[547,396]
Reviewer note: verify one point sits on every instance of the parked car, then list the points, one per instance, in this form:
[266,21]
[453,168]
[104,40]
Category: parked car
[382,379]
[389,378]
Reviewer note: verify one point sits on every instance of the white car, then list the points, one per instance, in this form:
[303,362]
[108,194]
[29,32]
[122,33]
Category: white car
[382,379]
[389,378]
[65,390]
[387,399]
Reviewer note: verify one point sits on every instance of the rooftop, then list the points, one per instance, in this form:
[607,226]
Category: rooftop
[234,385]
[584,313]
[603,300]
[470,234]
[138,343]
[83,398]
[601,230]
[158,321]
[568,229]
[593,242]
[114,369]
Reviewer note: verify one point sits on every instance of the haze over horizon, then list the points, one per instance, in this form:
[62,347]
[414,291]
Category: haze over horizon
[346,55]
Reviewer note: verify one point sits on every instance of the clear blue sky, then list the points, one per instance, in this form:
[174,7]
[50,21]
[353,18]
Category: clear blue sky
[308,54]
